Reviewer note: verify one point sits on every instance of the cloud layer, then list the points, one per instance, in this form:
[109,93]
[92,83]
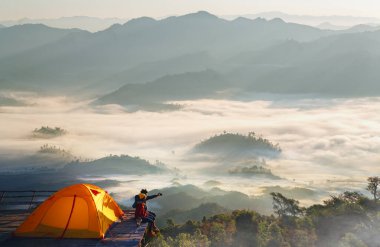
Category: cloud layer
[326,143]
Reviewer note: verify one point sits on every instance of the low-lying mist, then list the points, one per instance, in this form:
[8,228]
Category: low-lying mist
[328,145]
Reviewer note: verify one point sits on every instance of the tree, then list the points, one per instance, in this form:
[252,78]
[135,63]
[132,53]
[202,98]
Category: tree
[348,198]
[352,197]
[159,242]
[217,234]
[247,228]
[372,187]
[187,240]
[275,237]
[285,206]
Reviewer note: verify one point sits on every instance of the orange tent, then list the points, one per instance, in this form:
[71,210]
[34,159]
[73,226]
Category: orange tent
[77,211]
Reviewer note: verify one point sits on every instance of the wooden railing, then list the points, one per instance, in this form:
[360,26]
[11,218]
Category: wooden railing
[22,199]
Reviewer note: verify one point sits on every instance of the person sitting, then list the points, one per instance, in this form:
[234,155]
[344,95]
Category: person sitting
[142,215]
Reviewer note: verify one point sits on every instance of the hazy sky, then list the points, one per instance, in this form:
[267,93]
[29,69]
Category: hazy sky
[17,9]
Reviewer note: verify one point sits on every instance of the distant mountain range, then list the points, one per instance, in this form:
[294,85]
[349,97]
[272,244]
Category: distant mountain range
[342,65]
[92,24]
[199,55]
[363,28]
[329,26]
[18,39]
[347,21]
[353,29]
[95,24]
[87,58]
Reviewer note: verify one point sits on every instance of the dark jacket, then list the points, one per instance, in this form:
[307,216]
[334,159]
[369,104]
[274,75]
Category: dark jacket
[138,200]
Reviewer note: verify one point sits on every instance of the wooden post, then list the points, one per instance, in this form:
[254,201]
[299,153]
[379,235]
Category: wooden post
[2,196]
[31,201]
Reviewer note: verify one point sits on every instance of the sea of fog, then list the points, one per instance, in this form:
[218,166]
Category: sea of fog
[328,145]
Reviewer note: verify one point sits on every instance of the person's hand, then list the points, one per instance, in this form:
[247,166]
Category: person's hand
[159,194]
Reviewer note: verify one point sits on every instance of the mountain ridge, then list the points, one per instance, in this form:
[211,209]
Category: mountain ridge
[255,55]
[89,57]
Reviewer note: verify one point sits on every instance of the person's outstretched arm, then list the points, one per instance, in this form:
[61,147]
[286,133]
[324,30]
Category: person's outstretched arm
[153,196]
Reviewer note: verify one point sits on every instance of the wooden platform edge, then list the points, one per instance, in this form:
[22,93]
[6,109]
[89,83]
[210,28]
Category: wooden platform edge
[124,233]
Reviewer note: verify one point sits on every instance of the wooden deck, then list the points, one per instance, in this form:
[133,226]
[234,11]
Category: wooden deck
[9,221]
[125,233]
[122,234]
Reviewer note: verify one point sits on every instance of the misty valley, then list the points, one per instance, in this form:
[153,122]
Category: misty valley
[257,132]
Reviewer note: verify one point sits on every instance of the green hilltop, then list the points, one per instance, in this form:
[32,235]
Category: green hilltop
[48,132]
[238,144]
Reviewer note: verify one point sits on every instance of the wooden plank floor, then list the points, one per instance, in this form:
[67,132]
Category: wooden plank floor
[122,234]
[125,233]
[9,221]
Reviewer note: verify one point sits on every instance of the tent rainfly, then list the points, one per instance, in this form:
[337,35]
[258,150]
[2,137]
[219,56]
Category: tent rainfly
[77,211]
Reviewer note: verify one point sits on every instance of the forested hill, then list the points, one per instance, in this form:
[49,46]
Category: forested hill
[346,220]
[234,143]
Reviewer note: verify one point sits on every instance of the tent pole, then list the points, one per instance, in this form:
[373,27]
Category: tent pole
[68,221]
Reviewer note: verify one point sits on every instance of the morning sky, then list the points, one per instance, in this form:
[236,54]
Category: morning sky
[36,9]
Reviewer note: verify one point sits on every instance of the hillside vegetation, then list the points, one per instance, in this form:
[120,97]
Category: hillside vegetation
[347,220]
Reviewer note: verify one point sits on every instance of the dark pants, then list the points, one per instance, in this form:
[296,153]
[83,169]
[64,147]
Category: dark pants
[150,218]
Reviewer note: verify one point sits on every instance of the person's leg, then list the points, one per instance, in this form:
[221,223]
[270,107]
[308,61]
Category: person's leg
[151,217]
[147,220]
[154,227]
